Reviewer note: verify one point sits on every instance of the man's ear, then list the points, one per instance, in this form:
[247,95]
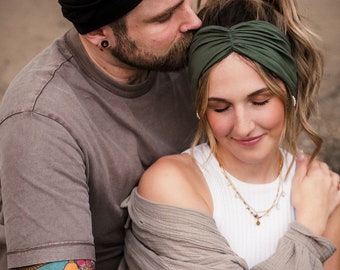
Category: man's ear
[95,37]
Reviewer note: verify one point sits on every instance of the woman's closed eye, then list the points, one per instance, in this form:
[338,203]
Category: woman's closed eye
[218,106]
[261,97]
[260,103]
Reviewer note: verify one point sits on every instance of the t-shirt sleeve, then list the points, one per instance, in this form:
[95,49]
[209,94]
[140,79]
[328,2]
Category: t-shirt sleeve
[44,191]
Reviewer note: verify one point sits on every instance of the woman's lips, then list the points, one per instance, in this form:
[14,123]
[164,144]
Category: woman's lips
[249,141]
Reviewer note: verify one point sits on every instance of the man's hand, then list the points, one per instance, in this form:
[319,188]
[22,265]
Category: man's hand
[315,194]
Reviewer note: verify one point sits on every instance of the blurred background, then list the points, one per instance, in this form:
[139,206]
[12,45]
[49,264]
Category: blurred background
[29,26]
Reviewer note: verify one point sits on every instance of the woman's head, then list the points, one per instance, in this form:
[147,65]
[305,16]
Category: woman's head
[258,43]
[245,116]
[282,14]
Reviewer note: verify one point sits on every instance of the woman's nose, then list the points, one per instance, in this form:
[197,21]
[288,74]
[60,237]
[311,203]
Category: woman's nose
[243,123]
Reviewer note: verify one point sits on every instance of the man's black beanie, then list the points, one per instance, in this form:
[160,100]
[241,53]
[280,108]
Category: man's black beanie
[89,15]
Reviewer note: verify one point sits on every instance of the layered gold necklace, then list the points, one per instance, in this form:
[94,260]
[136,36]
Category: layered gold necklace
[258,214]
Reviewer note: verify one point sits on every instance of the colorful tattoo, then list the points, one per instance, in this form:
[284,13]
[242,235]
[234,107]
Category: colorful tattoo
[63,265]
[80,265]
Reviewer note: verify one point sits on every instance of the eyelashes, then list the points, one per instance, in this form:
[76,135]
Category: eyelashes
[261,103]
[255,103]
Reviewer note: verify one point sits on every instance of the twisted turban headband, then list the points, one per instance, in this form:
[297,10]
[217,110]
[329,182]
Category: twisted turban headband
[260,41]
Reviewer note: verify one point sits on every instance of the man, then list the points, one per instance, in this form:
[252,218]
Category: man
[83,120]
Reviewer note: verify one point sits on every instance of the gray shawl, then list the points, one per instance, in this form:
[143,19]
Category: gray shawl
[160,237]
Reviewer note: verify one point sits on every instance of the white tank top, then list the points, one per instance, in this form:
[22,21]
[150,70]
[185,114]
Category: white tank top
[252,242]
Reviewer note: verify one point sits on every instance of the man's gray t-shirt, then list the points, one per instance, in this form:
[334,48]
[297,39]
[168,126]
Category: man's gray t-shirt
[73,144]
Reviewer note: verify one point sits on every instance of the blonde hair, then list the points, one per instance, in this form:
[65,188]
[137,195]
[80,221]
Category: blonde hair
[283,14]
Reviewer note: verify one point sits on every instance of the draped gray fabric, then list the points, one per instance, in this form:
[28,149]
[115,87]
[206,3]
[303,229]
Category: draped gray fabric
[167,237]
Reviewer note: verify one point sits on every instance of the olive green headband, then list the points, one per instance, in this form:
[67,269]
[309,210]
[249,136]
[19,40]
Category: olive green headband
[260,41]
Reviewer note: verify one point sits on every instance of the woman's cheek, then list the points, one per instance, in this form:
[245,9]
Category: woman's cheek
[219,125]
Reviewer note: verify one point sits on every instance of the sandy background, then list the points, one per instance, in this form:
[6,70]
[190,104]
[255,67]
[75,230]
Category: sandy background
[28,26]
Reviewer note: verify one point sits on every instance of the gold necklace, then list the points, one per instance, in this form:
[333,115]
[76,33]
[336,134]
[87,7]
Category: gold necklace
[257,214]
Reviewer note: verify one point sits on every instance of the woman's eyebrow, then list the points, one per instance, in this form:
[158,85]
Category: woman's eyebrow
[217,99]
[253,94]
[260,91]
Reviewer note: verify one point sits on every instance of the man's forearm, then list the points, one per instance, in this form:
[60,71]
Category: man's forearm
[62,265]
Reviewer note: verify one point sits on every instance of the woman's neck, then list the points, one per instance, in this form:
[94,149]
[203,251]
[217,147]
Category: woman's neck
[262,172]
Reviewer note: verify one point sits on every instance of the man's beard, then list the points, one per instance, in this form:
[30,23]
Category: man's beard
[128,52]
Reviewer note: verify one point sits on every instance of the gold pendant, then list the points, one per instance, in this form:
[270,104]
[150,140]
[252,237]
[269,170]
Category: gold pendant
[257,220]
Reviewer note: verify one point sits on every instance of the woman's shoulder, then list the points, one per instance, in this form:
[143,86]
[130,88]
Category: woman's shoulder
[176,180]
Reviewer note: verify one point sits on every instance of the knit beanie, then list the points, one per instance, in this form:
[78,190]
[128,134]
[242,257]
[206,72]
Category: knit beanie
[89,15]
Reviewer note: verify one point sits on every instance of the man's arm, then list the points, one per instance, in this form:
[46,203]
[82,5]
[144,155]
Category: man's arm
[62,265]
[45,193]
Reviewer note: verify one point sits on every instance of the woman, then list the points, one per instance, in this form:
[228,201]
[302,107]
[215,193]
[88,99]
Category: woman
[227,202]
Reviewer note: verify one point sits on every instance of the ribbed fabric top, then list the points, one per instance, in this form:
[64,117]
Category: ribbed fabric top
[251,242]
